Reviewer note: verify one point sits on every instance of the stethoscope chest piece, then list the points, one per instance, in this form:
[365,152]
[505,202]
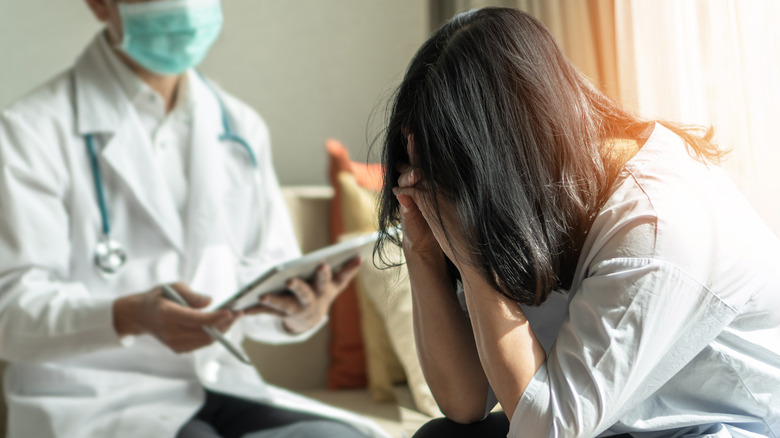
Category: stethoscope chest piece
[109,255]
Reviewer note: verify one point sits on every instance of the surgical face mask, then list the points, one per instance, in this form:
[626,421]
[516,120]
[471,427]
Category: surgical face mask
[169,36]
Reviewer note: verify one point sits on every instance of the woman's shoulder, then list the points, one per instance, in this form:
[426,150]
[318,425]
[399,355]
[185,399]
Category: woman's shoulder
[664,202]
[671,207]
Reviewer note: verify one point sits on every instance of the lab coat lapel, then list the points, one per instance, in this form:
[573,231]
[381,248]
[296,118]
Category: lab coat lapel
[203,219]
[103,108]
[131,157]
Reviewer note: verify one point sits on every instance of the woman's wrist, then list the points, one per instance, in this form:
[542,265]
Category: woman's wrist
[430,259]
[430,273]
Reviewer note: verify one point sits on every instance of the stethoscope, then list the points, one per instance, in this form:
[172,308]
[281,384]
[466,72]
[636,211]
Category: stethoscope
[110,255]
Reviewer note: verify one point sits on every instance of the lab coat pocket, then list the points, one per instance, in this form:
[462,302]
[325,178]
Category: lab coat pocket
[238,207]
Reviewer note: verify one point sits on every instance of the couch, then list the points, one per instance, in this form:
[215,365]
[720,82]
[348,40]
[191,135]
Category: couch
[309,208]
[303,367]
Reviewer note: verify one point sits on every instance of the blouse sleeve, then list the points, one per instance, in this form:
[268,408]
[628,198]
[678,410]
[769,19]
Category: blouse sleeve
[632,325]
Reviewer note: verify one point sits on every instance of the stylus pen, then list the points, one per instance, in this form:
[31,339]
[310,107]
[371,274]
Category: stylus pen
[171,294]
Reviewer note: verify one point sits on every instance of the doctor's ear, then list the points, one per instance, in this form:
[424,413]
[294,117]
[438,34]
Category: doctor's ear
[107,12]
[102,9]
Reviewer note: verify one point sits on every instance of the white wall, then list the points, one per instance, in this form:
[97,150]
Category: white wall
[314,69]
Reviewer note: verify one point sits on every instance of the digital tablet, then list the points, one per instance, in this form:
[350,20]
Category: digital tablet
[275,278]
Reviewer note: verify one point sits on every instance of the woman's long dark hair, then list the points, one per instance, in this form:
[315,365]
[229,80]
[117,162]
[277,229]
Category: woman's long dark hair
[514,136]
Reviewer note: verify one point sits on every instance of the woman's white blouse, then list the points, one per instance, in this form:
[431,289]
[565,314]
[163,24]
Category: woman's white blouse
[673,325]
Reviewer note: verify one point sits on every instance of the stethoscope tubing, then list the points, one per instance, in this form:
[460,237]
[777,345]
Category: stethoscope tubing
[227,130]
[98,184]
[112,247]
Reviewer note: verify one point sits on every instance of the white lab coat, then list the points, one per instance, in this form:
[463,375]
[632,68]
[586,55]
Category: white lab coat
[69,373]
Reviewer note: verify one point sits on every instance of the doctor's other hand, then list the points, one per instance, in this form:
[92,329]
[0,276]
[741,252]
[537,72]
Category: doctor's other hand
[309,302]
[180,328]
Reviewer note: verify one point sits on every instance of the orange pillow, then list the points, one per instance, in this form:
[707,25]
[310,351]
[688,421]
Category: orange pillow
[347,359]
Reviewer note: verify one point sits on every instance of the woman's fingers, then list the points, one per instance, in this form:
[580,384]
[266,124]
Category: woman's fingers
[409,176]
[403,167]
[410,149]
[416,212]
[411,192]
[410,200]
[405,202]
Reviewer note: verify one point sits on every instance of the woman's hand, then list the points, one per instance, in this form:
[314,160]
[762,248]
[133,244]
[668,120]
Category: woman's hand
[179,327]
[309,302]
[422,229]
[415,211]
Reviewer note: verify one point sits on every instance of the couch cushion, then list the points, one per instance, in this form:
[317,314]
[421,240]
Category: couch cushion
[348,367]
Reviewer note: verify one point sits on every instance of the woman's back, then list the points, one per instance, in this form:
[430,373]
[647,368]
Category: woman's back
[677,298]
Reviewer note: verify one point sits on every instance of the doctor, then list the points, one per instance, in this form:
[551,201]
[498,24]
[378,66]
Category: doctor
[128,172]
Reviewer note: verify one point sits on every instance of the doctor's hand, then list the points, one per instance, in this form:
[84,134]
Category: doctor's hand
[178,327]
[309,302]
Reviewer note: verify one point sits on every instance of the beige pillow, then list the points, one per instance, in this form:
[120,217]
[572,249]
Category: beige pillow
[385,301]
[383,368]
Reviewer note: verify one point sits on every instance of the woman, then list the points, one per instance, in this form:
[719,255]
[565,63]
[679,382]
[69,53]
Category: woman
[515,178]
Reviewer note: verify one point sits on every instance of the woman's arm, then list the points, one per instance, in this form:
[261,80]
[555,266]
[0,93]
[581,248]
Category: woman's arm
[498,342]
[445,342]
[509,352]
[633,324]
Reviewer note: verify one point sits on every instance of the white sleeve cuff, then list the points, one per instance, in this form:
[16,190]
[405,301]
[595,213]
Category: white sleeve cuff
[95,319]
[526,419]
[50,326]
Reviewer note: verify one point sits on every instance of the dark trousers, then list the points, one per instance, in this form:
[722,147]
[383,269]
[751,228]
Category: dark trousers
[496,425]
[225,416]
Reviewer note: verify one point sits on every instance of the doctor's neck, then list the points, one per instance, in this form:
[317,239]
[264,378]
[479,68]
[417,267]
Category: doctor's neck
[166,86]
